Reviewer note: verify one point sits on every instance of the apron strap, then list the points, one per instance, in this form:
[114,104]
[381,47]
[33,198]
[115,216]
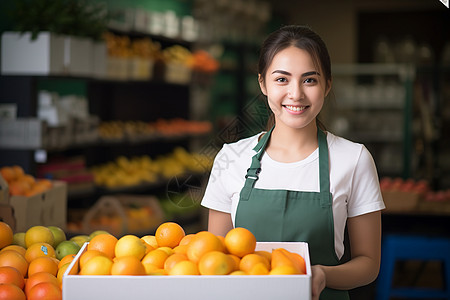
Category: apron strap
[255,167]
[324,173]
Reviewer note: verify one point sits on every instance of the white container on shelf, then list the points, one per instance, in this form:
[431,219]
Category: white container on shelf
[42,56]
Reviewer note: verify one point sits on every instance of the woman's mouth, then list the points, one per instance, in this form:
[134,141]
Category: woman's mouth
[295,109]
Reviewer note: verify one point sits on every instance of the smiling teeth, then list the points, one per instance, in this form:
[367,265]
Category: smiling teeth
[295,108]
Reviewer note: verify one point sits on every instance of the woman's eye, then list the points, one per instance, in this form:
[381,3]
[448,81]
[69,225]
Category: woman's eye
[282,79]
[310,80]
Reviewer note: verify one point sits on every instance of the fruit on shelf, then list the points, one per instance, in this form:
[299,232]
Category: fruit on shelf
[128,172]
[22,184]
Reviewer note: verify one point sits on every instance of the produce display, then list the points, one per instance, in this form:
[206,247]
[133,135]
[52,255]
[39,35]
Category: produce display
[32,263]
[126,172]
[22,184]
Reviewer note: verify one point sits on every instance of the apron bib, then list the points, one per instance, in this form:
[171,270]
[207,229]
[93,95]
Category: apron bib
[292,216]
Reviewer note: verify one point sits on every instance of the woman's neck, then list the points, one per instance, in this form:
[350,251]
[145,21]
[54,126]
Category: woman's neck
[290,144]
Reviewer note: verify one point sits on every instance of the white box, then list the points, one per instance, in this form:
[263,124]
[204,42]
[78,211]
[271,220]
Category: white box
[43,56]
[99,59]
[23,133]
[239,287]
[78,56]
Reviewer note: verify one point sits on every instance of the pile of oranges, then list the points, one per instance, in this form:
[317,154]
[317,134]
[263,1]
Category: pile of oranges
[29,268]
[32,271]
[22,184]
[171,252]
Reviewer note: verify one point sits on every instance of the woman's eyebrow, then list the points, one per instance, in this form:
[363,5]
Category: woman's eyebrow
[303,75]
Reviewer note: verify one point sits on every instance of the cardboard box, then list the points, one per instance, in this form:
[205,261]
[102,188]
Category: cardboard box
[23,133]
[398,201]
[48,208]
[43,56]
[261,287]
[7,216]
[4,191]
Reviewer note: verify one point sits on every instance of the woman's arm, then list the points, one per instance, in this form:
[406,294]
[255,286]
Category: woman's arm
[219,222]
[365,243]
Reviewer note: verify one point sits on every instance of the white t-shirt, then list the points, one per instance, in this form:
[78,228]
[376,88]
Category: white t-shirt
[353,179]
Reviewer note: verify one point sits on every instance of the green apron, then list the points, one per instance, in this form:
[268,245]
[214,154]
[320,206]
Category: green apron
[292,216]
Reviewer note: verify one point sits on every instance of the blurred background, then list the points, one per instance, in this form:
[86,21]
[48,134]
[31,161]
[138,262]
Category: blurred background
[125,103]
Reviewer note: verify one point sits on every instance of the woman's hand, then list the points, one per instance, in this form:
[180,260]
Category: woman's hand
[318,281]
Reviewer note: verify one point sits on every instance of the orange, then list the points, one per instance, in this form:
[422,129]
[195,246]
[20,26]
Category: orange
[169,234]
[156,257]
[16,248]
[10,291]
[19,188]
[240,241]
[87,255]
[6,235]
[186,239]
[173,260]
[238,272]
[283,270]
[180,249]
[130,245]
[127,265]
[14,259]
[250,260]
[98,265]
[27,178]
[18,171]
[154,270]
[266,254]
[236,260]
[38,278]
[259,269]
[8,173]
[39,249]
[202,243]
[222,239]
[43,264]
[105,243]
[45,291]
[185,267]
[66,259]
[38,234]
[283,257]
[215,263]
[11,275]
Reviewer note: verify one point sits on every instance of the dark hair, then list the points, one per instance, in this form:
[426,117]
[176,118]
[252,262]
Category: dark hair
[301,37]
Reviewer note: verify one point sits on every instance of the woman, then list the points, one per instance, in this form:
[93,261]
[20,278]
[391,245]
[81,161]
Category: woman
[297,182]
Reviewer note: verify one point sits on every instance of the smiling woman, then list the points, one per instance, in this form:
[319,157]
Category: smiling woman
[297,182]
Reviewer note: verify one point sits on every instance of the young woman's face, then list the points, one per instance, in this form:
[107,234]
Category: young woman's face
[294,87]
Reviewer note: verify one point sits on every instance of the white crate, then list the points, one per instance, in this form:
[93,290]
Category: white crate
[239,287]
[43,56]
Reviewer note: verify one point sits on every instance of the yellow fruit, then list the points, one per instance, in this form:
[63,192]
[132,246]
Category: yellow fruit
[251,260]
[283,270]
[168,250]
[185,267]
[238,272]
[151,240]
[130,245]
[38,234]
[98,265]
[259,269]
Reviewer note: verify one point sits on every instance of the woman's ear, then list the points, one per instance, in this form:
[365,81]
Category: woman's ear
[328,87]
[262,85]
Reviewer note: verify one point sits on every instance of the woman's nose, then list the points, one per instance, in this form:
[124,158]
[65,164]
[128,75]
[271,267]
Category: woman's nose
[295,92]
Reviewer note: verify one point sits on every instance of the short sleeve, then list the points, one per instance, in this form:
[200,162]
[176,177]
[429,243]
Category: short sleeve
[216,195]
[365,193]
